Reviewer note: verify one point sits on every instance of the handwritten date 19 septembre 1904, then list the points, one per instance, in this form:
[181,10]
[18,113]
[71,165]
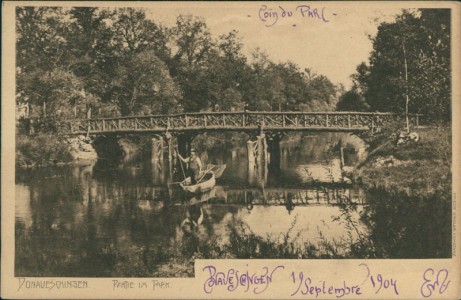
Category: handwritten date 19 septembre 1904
[304,283]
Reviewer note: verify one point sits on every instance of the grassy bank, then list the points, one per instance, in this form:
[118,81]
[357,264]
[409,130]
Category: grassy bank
[41,150]
[415,168]
[242,243]
[409,191]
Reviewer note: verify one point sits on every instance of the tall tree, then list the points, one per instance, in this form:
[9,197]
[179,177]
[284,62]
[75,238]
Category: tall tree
[133,32]
[191,42]
[55,96]
[410,65]
[93,54]
[142,84]
[189,46]
[41,38]
[352,101]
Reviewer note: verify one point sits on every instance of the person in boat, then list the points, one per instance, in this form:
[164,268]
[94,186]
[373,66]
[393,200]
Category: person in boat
[195,165]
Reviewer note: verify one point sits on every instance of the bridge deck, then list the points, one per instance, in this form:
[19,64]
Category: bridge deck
[241,121]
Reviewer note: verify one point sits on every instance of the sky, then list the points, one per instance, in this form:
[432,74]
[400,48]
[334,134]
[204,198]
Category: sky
[330,38]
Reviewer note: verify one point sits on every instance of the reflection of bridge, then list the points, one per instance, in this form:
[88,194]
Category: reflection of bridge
[265,128]
[295,196]
[321,194]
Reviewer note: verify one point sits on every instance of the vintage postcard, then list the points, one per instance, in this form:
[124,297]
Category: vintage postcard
[202,150]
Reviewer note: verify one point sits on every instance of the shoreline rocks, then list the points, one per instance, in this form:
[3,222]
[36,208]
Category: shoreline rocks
[81,148]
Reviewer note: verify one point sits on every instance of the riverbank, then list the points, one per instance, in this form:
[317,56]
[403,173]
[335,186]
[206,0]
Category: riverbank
[47,150]
[413,168]
[409,191]
[43,150]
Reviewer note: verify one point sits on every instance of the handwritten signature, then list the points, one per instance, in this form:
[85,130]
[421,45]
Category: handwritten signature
[431,282]
[270,16]
[233,278]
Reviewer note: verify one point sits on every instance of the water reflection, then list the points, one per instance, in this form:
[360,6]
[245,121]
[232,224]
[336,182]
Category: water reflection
[125,218]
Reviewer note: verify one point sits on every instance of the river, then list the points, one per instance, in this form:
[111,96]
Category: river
[129,218]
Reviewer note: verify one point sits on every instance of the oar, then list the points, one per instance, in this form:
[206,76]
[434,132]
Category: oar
[172,183]
[204,173]
[180,162]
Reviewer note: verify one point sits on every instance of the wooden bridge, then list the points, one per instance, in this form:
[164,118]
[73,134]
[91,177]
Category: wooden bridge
[265,129]
[241,121]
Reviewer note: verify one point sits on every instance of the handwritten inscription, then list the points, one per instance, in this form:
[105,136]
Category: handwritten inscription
[271,16]
[233,279]
[434,282]
[379,282]
[305,286]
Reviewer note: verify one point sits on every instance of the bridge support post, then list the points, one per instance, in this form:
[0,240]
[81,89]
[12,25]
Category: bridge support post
[274,151]
[251,151]
[158,172]
[257,159]
[261,178]
[157,148]
[251,173]
[171,154]
[257,174]
[262,148]
[169,141]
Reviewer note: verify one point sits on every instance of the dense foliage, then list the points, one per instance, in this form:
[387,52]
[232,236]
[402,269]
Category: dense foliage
[410,62]
[41,151]
[120,62]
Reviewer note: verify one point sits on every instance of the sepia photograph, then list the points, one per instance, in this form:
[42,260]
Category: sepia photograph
[148,136]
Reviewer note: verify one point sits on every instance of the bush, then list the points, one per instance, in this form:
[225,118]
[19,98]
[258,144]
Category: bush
[408,226]
[40,150]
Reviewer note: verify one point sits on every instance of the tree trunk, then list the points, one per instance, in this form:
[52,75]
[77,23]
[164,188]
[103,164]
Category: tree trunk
[407,99]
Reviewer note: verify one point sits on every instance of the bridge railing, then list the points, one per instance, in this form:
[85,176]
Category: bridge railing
[243,121]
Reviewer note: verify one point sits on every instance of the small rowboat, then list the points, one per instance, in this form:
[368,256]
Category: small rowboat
[206,183]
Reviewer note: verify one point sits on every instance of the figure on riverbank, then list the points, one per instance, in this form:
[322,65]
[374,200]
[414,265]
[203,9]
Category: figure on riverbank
[194,169]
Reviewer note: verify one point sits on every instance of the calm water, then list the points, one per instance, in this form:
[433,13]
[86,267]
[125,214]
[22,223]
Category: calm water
[123,219]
